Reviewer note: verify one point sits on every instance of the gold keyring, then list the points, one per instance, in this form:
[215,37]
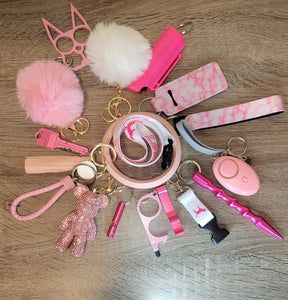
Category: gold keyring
[119,189]
[237,138]
[184,163]
[100,145]
[67,62]
[85,124]
[120,101]
[142,102]
[110,188]
[104,117]
[75,131]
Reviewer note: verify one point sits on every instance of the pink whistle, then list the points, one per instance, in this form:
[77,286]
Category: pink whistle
[233,203]
[167,204]
[166,53]
[116,219]
[50,139]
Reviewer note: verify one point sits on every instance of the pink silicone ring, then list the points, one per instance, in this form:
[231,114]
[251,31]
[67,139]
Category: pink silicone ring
[142,184]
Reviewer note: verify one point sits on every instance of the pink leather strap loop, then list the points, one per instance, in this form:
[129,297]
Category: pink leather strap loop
[142,184]
[236,113]
[167,204]
[65,184]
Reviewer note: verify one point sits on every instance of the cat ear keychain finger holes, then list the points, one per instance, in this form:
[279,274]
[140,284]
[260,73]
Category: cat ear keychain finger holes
[55,36]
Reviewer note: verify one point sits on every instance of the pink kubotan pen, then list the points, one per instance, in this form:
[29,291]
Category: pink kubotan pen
[233,203]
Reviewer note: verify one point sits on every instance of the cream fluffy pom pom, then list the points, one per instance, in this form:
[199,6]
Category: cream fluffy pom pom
[118,54]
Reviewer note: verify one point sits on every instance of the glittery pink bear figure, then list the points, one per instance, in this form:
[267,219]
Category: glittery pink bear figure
[79,225]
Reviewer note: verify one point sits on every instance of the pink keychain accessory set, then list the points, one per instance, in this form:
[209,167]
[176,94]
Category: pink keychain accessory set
[120,56]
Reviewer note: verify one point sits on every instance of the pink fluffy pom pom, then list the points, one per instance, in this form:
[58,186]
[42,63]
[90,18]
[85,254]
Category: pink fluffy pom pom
[50,93]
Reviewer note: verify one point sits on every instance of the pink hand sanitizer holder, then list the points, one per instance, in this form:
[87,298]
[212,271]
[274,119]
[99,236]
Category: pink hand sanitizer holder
[166,53]
[190,89]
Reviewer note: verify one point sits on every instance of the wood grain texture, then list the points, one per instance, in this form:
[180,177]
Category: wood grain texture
[249,40]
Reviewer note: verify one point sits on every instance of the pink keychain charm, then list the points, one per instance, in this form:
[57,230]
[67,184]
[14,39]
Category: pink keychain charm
[78,48]
[155,241]
[79,226]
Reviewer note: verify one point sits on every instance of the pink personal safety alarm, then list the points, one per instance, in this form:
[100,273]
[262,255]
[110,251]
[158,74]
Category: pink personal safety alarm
[236,175]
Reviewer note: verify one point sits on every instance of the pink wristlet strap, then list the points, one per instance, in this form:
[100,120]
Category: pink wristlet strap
[65,184]
[236,113]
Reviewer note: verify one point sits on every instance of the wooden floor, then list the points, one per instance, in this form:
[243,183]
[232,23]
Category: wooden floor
[249,40]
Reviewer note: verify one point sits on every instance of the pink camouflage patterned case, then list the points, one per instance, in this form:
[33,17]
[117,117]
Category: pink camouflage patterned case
[190,89]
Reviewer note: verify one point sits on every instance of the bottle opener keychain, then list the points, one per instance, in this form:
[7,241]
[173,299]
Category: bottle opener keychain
[219,193]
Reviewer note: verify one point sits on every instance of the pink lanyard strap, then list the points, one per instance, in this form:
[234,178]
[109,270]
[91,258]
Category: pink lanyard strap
[236,113]
[65,184]
[223,116]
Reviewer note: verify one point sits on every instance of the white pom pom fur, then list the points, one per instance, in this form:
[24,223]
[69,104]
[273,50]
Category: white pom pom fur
[118,54]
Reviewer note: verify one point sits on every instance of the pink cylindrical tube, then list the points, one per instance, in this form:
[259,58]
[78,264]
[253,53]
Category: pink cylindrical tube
[116,219]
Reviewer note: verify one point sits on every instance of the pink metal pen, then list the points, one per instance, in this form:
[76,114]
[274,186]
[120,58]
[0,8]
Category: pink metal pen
[233,203]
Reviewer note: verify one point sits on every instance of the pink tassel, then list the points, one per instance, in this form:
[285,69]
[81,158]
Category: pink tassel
[79,226]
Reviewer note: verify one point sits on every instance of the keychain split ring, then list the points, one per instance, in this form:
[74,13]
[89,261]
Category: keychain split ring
[184,163]
[118,101]
[242,141]
[142,102]
[100,145]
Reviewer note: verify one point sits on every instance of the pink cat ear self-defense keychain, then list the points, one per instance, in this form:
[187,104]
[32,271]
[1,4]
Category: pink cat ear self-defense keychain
[78,48]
